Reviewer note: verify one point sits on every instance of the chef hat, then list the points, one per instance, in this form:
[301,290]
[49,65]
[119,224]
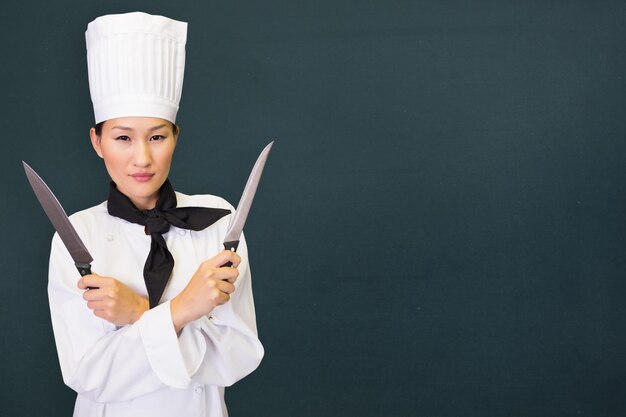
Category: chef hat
[136,63]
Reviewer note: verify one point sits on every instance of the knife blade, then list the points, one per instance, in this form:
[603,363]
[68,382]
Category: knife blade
[231,241]
[50,204]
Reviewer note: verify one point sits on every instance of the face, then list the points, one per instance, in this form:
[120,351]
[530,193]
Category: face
[137,153]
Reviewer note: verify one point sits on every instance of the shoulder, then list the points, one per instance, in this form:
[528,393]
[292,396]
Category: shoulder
[91,222]
[92,214]
[202,200]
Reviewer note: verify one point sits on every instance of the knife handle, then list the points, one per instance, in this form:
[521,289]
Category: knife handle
[85,269]
[232,245]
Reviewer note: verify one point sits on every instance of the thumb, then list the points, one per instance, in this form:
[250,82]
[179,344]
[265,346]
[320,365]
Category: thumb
[223,257]
[81,283]
[88,281]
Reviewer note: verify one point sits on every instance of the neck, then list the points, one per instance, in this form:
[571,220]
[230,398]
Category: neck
[147,203]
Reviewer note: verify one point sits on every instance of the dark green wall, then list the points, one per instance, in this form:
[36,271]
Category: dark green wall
[440,230]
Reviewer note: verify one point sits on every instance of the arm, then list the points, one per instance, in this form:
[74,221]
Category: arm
[98,360]
[209,287]
[226,346]
[104,363]
[111,300]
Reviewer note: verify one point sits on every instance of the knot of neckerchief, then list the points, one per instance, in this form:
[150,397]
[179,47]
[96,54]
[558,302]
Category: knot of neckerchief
[157,221]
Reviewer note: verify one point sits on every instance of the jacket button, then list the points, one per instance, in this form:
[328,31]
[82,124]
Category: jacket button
[198,389]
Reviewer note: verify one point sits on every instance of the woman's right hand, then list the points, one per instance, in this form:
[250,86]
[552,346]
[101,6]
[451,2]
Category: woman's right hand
[209,287]
[111,300]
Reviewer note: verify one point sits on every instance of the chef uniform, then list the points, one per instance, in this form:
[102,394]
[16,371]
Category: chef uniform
[136,64]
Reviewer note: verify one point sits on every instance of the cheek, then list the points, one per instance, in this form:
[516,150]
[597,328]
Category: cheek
[112,160]
[166,154]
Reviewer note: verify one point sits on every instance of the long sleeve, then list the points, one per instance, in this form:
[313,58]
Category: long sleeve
[227,345]
[106,364]
[98,360]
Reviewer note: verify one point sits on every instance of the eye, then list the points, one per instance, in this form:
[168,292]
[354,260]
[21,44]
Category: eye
[157,137]
[122,138]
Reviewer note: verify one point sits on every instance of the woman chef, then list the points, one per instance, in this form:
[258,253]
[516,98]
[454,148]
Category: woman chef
[161,326]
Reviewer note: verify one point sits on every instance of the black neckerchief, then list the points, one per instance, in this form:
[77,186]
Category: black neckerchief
[160,263]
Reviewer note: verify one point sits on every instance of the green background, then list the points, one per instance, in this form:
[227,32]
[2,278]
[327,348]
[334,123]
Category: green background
[440,229]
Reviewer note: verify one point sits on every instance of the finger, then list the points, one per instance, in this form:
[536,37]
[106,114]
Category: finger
[92,281]
[225,287]
[235,259]
[223,257]
[227,273]
[81,283]
[95,294]
[232,278]
[84,282]
[103,314]
[96,305]
[222,298]
[218,260]
[106,290]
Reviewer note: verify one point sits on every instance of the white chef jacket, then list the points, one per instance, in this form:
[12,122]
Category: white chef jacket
[146,369]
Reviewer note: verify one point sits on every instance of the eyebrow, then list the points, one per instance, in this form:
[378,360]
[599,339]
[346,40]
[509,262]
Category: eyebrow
[130,129]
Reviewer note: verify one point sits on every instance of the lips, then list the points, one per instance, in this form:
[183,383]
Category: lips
[142,176]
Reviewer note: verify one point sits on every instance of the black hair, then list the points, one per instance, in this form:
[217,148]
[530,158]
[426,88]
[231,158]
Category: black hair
[98,128]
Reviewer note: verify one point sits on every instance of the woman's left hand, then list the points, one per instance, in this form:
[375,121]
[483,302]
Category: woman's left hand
[111,300]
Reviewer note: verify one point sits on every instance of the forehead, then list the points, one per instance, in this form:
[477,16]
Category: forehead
[137,124]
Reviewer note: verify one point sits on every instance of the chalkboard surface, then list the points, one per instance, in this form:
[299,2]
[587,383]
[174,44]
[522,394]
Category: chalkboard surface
[440,228]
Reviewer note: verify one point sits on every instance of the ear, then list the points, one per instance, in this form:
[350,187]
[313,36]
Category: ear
[176,135]
[95,142]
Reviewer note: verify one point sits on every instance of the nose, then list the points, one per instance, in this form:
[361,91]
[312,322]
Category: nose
[142,154]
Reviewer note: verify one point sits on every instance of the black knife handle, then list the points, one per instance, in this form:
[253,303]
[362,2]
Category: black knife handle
[85,269]
[232,245]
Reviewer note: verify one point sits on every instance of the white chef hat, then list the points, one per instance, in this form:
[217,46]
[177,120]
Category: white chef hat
[136,63]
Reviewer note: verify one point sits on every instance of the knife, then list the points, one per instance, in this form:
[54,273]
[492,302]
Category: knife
[60,221]
[231,241]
